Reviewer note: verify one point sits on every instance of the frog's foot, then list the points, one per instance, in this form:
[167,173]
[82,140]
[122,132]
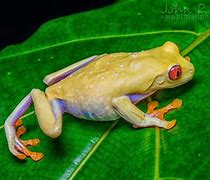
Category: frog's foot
[159,113]
[22,145]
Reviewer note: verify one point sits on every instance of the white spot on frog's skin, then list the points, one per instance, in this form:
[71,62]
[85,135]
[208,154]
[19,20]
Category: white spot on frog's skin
[79,75]
[9,73]
[134,55]
[59,85]
[113,55]
[103,70]
[39,59]
[51,57]
[115,74]
[139,14]
[107,108]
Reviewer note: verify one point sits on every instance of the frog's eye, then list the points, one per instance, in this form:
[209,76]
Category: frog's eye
[175,72]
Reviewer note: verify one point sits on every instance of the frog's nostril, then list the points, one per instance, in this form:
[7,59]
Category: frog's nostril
[192,70]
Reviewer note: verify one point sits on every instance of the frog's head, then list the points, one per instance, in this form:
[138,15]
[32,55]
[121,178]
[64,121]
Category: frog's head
[171,68]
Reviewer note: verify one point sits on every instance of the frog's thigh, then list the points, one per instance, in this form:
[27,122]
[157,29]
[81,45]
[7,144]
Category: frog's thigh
[48,114]
[124,107]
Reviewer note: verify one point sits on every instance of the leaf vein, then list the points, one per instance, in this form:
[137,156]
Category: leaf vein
[89,154]
[101,37]
[22,117]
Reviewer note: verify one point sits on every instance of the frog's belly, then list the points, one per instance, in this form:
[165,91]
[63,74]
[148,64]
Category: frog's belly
[95,112]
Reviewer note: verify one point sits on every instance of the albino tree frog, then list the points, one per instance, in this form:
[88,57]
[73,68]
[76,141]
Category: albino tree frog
[101,88]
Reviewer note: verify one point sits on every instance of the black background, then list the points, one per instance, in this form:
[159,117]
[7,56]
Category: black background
[19,19]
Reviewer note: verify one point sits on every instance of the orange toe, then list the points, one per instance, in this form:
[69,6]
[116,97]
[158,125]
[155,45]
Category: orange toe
[151,106]
[18,123]
[177,103]
[21,156]
[31,142]
[171,124]
[24,151]
[20,131]
[36,156]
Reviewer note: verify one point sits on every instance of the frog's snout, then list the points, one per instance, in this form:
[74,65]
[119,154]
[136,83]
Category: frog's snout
[192,70]
[188,73]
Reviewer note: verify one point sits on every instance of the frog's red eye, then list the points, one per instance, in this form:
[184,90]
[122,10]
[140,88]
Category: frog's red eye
[175,72]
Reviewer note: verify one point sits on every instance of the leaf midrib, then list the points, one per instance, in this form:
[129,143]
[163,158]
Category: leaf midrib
[96,38]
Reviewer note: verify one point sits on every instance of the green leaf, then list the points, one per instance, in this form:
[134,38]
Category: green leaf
[106,150]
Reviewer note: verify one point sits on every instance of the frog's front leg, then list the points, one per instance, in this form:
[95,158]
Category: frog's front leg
[124,107]
[49,115]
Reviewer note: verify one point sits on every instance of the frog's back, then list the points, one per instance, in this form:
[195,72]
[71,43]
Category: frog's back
[88,92]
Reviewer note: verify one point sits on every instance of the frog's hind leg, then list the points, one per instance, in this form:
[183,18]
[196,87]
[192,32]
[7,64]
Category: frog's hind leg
[9,126]
[63,73]
[49,115]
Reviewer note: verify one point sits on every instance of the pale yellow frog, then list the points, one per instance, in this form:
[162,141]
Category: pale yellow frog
[102,88]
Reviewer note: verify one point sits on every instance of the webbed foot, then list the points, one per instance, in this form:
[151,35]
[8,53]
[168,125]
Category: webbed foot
[159,113]
[21,145]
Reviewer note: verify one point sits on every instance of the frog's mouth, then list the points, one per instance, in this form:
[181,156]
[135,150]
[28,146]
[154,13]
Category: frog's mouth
[177,85]
[181,83]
